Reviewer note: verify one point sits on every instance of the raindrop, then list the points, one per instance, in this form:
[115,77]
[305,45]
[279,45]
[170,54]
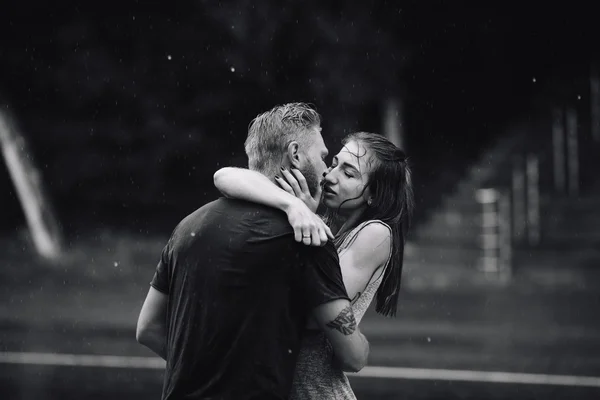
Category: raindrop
[232,69]
[168,57]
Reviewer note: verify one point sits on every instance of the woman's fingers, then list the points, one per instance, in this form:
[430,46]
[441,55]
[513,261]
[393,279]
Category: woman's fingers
[292,181]
[308,227]
[328,232]
[319,233]
[307,237]
[301,181]
[316,236]
[297,234]
[311,234]
[323,236]
[325,233]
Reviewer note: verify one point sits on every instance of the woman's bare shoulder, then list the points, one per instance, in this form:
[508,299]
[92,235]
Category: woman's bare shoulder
[372,244]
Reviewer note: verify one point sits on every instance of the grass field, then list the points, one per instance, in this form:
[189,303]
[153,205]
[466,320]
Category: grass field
[89,301]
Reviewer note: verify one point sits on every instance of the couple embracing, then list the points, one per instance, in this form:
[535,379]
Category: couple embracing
[258,297]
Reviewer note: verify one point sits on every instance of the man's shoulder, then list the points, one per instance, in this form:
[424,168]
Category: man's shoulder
[230,213]
[326,253]
[255,213]
[237,206]
[243,206]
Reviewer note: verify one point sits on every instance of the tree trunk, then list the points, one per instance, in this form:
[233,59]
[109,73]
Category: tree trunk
[558,143]
[595,102]
[41,220]
[572,152]
[393,124]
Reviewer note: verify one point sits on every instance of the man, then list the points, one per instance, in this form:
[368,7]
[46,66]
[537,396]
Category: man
[234,289]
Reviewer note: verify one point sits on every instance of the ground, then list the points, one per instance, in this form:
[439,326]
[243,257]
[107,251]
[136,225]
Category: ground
[88,303]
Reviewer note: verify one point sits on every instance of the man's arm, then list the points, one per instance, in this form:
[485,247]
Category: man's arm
[329,306]
[152,323]
[350,346]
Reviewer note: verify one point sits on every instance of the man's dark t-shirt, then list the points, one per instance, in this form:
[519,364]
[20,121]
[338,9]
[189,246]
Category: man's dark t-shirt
[240,291]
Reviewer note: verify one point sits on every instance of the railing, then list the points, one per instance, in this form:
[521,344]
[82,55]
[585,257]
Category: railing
[511,214]
[495,236]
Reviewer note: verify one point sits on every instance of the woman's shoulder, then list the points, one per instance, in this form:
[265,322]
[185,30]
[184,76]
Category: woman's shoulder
[372,232]
[375,232]
[375,226]
[371,240]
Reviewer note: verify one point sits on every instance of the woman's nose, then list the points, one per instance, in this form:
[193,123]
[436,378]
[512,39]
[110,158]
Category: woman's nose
[328,177]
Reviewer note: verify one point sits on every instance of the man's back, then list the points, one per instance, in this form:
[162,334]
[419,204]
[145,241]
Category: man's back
[239,292]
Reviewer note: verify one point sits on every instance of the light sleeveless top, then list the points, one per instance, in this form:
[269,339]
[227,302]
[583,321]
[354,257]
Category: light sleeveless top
[316,378]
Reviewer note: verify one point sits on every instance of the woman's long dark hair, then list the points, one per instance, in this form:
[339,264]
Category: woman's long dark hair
[392,202]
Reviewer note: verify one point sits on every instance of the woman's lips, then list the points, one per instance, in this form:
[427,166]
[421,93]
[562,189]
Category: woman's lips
[328,190]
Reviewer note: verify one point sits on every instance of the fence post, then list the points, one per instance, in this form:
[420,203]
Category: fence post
[489,243]
[495,237]
[505,237]
[558,145]
[533,199]
[595,102]
[519,199]
[572,152]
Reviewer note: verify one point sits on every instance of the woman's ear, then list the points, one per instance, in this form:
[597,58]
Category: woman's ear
[368,195]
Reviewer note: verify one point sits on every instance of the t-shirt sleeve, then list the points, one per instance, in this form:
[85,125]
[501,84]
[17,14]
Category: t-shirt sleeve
[160,280]
[322,276]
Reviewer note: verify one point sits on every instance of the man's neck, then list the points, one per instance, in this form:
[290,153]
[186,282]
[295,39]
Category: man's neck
[269,174]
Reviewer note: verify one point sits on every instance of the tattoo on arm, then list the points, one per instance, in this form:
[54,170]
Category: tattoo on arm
[344,322]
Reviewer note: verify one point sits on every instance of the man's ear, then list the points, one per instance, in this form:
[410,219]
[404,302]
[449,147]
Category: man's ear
[293,154]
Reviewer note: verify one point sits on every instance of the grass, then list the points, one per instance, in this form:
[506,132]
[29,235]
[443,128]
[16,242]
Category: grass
[102,277]
[90,299]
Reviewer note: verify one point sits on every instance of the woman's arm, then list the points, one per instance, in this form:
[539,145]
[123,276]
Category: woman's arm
[240,183]
[364,256]
[362,260]
[245,184]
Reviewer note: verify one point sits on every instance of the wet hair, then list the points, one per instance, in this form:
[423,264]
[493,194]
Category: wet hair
[270,133]
[392,203]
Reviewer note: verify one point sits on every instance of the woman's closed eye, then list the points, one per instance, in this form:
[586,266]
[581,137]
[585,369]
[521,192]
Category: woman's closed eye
[334,165]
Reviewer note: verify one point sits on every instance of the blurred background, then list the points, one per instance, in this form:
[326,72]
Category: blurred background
[114,118]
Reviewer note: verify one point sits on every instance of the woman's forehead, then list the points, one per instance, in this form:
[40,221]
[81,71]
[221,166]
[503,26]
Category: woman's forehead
[356,154]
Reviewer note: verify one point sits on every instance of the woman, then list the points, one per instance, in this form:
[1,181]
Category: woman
[367,193]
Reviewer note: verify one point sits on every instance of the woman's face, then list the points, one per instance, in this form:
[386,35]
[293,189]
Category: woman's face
[347,178]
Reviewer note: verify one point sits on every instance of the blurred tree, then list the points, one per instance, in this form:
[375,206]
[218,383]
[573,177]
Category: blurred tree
[138,106]
[132,108]
[44,228]
[343,56]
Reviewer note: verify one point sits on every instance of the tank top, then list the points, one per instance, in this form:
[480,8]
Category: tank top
[316,378]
